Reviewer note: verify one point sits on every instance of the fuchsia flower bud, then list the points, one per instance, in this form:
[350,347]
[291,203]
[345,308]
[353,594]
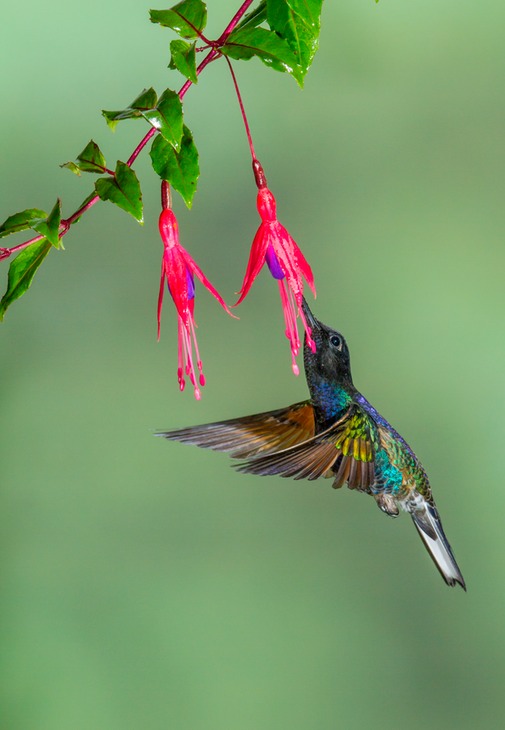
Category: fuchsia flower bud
[178,269]
[273,244]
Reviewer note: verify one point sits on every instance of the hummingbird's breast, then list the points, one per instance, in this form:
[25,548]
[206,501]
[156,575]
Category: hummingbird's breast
[330,403]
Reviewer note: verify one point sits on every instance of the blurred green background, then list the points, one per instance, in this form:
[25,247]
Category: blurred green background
[147,585]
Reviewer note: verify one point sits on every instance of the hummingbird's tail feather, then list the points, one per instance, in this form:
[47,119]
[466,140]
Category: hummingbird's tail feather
[261,433]
[429,526]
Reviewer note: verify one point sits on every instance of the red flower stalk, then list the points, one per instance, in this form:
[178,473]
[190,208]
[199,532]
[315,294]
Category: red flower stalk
[273,244]
[178,269]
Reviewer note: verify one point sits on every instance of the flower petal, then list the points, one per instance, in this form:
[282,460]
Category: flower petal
[175,269]
[194,268]
[256,260]
[160,298]
[304,267]
[273,263]
[292,262]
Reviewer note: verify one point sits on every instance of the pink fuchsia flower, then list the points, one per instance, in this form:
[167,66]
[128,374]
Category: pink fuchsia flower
[178,269]
[273,244]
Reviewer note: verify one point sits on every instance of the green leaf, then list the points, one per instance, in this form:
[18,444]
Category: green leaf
[181,168]
[123,189]
[38,220]
[188,18]
[144,101]
[91,159]
[164,114]
[21,272]
[184,59]
[166,117]
[72,167]
[298,22]
[50,227]
[272,50]
[110,118]
[20,221]
[255,17]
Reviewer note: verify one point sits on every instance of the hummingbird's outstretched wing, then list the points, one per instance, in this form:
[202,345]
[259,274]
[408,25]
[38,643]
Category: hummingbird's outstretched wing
[261,433]
[345,450]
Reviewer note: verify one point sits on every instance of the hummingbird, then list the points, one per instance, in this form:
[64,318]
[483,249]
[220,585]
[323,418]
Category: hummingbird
[337,434]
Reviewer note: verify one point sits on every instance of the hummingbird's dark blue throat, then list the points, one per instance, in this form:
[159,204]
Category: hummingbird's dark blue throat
[336,433]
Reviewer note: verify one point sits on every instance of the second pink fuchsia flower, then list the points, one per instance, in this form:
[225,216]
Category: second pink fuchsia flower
[274,246]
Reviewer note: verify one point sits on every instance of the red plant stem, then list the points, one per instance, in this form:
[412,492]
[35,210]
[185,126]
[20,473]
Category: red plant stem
[242,110]
[166,195]
[211,56]
[259,173]
[138,149]
[234,22]
[6,252]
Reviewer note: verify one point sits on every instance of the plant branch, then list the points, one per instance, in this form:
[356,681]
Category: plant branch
[90,202]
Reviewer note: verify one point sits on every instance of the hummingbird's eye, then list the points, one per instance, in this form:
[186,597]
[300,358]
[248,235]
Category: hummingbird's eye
[336,341]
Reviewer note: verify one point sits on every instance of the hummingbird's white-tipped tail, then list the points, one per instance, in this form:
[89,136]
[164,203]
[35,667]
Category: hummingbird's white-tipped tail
[429,526]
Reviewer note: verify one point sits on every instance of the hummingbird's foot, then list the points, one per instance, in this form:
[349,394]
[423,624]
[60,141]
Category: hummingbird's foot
[387,504]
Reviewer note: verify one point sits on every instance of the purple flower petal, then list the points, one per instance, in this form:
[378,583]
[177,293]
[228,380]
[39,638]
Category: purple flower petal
[273,263]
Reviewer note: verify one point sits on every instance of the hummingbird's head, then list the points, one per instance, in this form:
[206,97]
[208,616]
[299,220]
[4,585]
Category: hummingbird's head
[330,362]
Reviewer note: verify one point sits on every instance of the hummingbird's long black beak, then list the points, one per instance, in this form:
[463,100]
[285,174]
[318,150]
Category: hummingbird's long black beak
[311,320]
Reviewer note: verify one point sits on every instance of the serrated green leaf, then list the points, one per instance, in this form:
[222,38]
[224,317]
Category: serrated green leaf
[110,118]
[188,18]
[183,58]
[298,22]
[267,46]
[167,117]
[50,227]
[21,272]
[181,168]
[21,221]
[38,220]
[147,99]
[90,159]
[164,114]
[123,190]
[72,167]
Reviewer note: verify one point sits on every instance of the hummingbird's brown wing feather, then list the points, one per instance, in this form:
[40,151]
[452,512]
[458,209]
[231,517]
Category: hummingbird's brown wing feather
[309,460]
[261,433]
[345,450]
